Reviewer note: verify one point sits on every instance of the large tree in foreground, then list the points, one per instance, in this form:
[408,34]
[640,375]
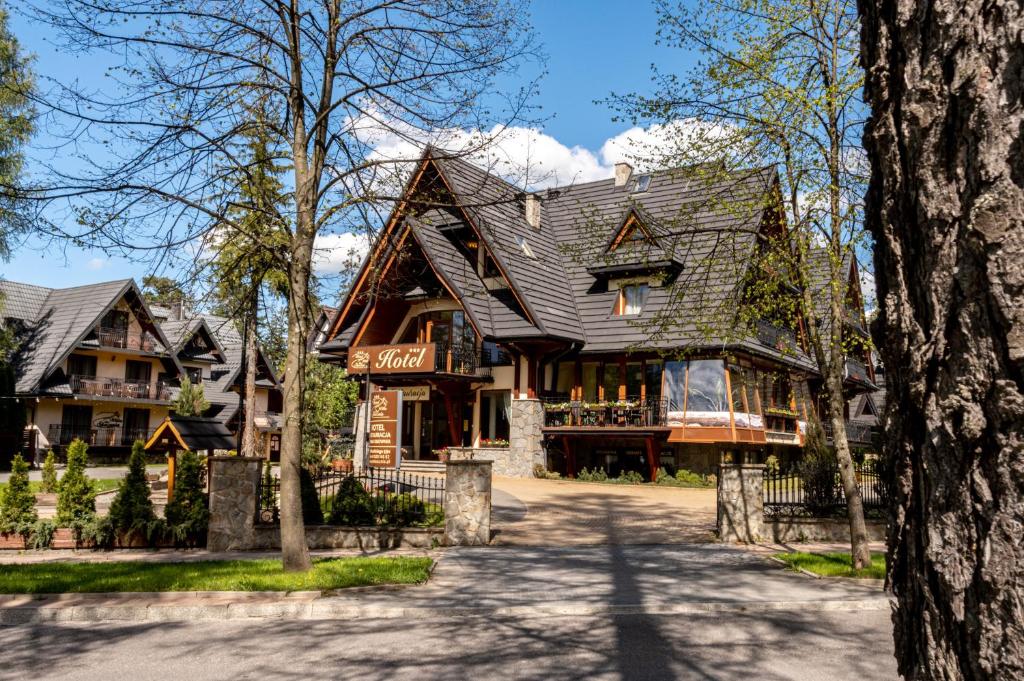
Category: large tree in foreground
[16,125]
[156,164]
[778,82]
[946,205]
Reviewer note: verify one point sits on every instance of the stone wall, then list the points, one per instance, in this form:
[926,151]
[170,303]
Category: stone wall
[741,503]
[818,529]
[233,482]
[526,438]
[467,503]
[268,537]
[506,461]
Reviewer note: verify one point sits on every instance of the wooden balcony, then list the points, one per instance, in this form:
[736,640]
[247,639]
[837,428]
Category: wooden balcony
[119,387]
[63,435]
[630,413]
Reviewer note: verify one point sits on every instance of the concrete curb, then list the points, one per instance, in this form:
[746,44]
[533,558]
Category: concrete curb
[296,607]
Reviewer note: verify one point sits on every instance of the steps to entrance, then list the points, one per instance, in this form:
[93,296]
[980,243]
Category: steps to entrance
[414,466]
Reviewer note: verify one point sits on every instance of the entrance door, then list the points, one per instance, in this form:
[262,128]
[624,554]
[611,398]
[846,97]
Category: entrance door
[75,422]
[136,426]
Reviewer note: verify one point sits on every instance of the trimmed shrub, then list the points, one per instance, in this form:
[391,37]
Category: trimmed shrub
[76,495]
[596,475]
[17,503]
[352,505]
[187,514]
[132,509]
[49,485]
[630,478]
[312,514]
[687,478]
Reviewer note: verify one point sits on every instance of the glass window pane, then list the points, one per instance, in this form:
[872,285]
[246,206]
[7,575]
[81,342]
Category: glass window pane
[566,379]
[590,381]
[610,381]
[634,379]
[675,379]
[706,401]
[652,378]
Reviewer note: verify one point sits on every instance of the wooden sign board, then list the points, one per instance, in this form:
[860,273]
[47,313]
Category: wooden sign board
[385,449]
[415,393]
[405,358]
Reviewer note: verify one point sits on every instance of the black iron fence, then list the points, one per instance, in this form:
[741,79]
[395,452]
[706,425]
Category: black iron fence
[813,488]
[370,496]
[631,412]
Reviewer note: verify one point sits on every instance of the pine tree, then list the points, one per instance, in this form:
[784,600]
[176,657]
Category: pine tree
[16,125]
[132,509]
[49,485]
[187,514]
[17,503]
[76,494]
[191,399]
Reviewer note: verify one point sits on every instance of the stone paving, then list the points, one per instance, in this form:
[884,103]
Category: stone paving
[534,512]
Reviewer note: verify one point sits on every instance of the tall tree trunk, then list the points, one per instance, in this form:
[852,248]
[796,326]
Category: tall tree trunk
[860,550]
[250,441]
[946,207]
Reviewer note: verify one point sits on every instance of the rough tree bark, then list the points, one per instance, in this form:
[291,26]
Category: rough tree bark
[946,206]
[250,443]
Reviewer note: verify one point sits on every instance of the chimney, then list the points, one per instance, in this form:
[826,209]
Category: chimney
[623,171]
[533,210]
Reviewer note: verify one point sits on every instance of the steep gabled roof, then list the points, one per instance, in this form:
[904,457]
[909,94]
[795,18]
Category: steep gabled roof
[180,332]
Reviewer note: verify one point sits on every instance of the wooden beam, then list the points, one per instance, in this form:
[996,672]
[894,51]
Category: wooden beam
[531,377]
[570,457]
[652,458]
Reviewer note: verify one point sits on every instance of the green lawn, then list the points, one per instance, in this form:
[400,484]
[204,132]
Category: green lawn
[228,575]
[834,564]
[101,485]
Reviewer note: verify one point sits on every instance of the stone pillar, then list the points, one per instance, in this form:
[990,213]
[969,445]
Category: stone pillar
[467,503]
[526,439]
[741,502]
[233,481]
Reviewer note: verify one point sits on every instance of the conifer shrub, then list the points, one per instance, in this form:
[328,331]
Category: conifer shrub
[312,514]
[17,503]
[131,512]
[49,484]
[187,514]
[76,494]
[352,505]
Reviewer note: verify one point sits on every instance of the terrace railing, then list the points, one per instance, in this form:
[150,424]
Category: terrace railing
[631,412]
[119,387]
[813,488]
[456,358]
[61,435]
[776,337]
[108,337]
[856,433]
[371,496]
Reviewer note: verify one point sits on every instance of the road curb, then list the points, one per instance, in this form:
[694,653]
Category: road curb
[347,609]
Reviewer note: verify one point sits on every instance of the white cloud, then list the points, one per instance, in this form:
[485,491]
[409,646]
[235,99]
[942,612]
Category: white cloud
[96,263]
[335,253]
[868,290]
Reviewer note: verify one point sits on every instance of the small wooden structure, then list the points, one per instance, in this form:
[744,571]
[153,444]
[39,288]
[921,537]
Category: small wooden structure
[192,433]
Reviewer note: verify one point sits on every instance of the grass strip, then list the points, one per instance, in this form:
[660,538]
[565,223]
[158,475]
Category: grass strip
[213,575]
[834,564]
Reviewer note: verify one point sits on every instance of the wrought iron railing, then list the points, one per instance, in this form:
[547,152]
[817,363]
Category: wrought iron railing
[61,435]
[119,387]
[456,358]
[109,337]
[631,412]
[813,488]
[857,370]
[856,433]
[370,496]
[777,337]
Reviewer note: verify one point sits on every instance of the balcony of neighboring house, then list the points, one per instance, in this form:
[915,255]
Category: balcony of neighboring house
[63,435]
[120,388]
[858,434]
[772,335]
[857,371]
[122,339]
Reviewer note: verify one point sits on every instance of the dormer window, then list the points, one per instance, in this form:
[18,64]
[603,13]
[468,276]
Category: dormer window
[642,183]
[631,299]
[525,247]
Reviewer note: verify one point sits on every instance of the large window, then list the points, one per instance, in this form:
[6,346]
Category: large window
[590,381]
[443,326]
[610,382]
[82,365]
[565,380]
[696,393]
[494,414]
[634,379]
[652,378]
[631,299]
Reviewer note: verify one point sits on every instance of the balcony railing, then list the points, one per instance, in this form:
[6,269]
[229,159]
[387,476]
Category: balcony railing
[857,370]
[119,387]
[493,355]
[456,358]
[61,435]
[122,338]
[856,433]
[776,337]
[632,412]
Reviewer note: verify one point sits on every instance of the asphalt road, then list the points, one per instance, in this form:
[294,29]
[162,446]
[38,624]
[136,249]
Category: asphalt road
[830,646]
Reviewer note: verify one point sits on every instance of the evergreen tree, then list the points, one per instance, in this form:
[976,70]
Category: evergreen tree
[132,509]
[17,503]
[186,512]
[49,485]
[76,494]
[191,399]
[16,125]
[312,514]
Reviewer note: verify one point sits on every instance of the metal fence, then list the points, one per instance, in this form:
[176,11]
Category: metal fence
[813,488]
[371,496]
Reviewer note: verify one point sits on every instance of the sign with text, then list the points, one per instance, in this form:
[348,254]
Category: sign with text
[415,393]
[405,358]
[385,449]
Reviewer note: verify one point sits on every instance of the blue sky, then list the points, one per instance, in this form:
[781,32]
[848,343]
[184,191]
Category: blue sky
[594,47]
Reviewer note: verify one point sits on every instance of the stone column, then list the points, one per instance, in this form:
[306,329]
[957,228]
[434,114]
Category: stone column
[233,482]
[741,502]
[467,503]
[526,439]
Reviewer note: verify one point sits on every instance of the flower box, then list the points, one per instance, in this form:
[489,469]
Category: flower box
[342,465]
[12,541]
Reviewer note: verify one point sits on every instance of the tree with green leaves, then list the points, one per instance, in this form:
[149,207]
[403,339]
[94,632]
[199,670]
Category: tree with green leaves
[17,122]
[17,503]
[330,403]
[49,481]
[76,493]
[778,83]
[191,400]
[187,514]
[158,290]
[131,511]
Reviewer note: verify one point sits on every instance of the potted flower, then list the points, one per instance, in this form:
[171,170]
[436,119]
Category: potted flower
[493,442]
[442,454]
[342,463]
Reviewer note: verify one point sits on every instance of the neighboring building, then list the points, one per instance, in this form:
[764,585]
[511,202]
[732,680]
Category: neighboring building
[320,328]
[535,307]
[97,363]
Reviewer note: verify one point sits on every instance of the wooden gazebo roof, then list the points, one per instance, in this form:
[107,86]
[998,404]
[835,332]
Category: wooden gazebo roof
[190,432]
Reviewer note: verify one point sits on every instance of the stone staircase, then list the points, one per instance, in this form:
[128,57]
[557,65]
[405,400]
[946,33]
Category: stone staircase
[414,466]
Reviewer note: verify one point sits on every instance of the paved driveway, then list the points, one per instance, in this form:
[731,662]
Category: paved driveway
[563,513]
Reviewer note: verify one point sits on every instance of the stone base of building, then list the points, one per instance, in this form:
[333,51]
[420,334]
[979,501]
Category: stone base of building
[818,529]
[268,537]
[506,462]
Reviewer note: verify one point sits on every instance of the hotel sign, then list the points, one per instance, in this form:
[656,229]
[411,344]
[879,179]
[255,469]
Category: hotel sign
[385,450]
[405,358]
